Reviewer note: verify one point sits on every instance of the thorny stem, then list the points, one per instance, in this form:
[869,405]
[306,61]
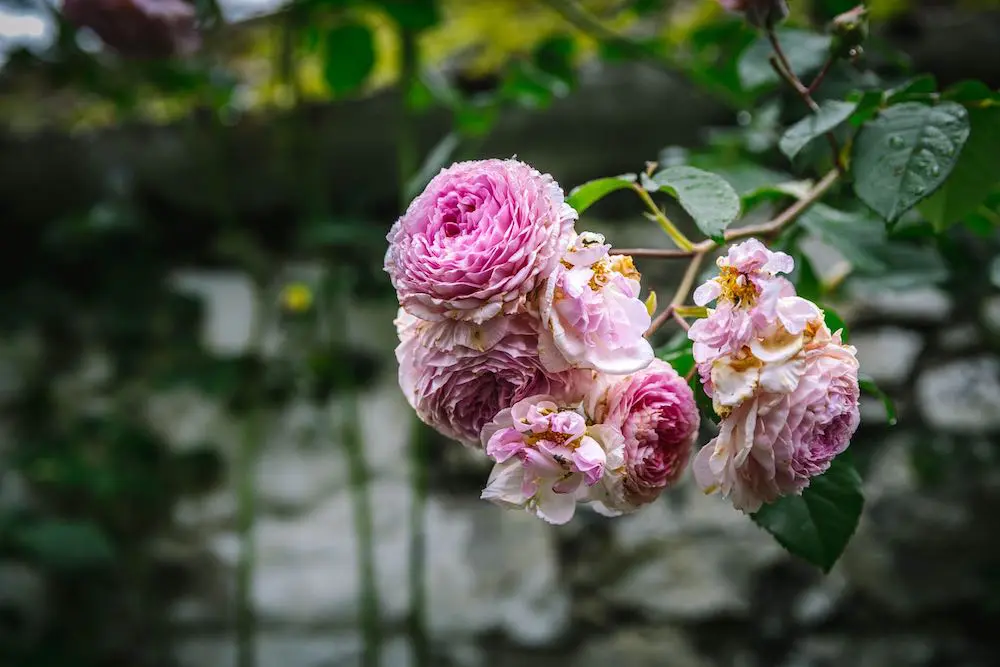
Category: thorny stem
[784,69]
[675,234]
[699,251]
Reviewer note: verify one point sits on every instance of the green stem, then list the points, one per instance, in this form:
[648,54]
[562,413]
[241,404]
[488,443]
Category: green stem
[368,602]
[679,239]
[408,165]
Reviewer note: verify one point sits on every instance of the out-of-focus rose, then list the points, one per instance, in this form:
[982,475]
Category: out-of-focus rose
[139,28]
[772,444]
[546,457]
[458,376]
[655,411]
[760,13]
[591,307]
[477,240]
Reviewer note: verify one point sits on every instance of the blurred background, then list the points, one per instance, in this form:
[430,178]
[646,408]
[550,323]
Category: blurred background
[205,459]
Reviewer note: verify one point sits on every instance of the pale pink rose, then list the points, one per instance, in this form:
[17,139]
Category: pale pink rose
[546,457]
[477,240]
[755,310]
[773,444]
[655,411]
[458,375]
[590,305]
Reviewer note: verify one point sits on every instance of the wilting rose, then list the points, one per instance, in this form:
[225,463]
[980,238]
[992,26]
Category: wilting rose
[655,411]
[772,444]
[590,305]
[139,28]
[546,457]
[458,376]
[477,240]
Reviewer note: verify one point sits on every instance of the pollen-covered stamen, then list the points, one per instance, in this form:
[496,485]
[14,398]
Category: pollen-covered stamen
[736,287]
[564,439]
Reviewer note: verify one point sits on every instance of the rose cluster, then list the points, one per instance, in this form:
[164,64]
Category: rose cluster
[522,337]
[785,386]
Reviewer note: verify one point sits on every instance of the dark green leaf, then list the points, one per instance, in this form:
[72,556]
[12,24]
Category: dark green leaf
[678,354]
[708,199]
[806,51]
[905,154]
[975,175]
[921,86]
[412,14]
[807,283]
[869,387]
[831,114]
[971,91]
[65,545]
[863,241]
[529,86]
[817,525]
[835,323]
[584,196]
[476,119]
[868,105]
[350,57]
[555,57]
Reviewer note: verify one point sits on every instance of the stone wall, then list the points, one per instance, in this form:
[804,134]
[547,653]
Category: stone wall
[687,582]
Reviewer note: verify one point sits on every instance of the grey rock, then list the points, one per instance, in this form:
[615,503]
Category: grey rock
[230,305]
[962,396]
[839,650]
[641,648]
[959,338]
[888,354]
[991,313]
[922,304]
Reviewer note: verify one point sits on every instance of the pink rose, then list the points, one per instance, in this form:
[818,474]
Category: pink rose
[458,376]
[546,457]
[477,240]
[655,411]
[591,307]
[774,443]
[138,28]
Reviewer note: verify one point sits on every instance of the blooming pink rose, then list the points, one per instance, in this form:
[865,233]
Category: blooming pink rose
[458,375]
[477,240]
[774,443]
[655,411]
[591,307]
[138,28]
[546,457]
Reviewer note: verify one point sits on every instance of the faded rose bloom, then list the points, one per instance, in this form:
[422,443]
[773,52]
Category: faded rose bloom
[591,307]
[759,13]
[458,375]
[546,457]
[773,444]
[139,28]
[655,411]
[477,240]
[756,319]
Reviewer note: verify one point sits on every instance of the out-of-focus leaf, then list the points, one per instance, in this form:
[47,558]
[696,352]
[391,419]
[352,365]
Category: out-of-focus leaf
[972,92]
[586,195]
[806,52]
[529,86]
[678,354]
[65,545]
[868,104]
[476,118]
[835,323]
[905,154]
[807,283]
[350,57]
[975,175]
[869,387]
[863,241]
[831,114]
[921,86]
[708,199]
[817,525]
[412,14]
[555,55]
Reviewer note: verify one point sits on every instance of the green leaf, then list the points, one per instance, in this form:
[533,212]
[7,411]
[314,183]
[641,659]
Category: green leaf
[835,323]
[555,57]
[412,14]
[921,86]
[806,52]
[678,354]
[807,283]
[971,91]
[868,104]
[476,118]
[584,196]
[905,154]
[831,114]
[869,387]
[817,525]
[529,86]
[707,198]
[974,176]
[65,545]
[864,242]
[350,57]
